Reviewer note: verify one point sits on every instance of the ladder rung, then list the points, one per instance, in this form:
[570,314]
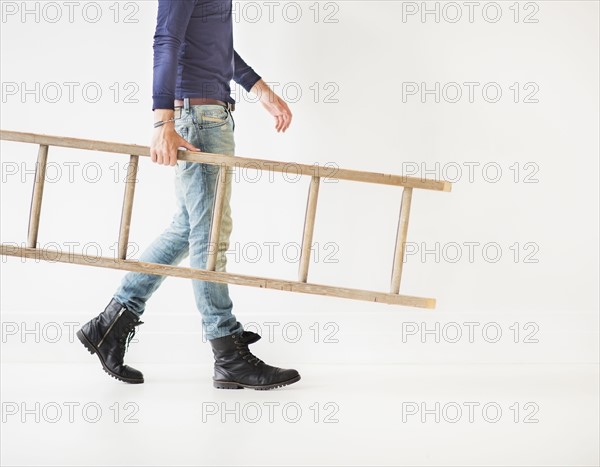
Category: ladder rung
[127,209]
[36,197]
[217,215]
[309,227]
[401,240]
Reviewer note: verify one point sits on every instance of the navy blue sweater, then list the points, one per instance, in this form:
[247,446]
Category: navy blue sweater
[194,54]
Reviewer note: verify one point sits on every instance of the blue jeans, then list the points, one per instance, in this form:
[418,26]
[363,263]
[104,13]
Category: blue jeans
[209,128]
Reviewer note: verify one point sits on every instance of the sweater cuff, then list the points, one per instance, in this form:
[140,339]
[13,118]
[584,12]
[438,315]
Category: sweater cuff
[163,102]
[250,79]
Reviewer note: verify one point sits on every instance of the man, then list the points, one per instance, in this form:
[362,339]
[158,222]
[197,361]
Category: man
[194,63]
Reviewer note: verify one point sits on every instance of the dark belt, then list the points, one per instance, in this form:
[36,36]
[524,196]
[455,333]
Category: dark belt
[204,101]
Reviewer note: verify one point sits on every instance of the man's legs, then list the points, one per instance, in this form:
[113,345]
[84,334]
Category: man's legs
[209,128]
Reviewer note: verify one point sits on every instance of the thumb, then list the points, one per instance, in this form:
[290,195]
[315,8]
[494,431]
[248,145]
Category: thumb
[189,146]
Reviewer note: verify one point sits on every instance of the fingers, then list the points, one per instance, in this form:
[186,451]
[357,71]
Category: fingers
[172,157]
[158,156]
[164,146]
[286,116]
[279,122]
[169,156]
[164,155]
[287,120]
[283,121]
[280,112]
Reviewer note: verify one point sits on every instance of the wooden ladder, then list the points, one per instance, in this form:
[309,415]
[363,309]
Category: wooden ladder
[209,274]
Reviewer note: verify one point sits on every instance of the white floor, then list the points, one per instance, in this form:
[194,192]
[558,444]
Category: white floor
[336,415]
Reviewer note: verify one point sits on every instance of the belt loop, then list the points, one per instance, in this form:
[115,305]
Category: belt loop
[186,103]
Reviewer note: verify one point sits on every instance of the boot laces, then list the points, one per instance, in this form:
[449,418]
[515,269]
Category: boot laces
[128,335]
[246,354]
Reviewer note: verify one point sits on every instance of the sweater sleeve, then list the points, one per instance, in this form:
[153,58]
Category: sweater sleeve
[243,74]
[171,24]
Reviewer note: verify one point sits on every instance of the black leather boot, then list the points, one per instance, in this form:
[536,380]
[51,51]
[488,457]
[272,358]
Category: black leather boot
[108,335]
[237,368]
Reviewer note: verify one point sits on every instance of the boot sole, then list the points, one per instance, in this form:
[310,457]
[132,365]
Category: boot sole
[93,350]
[233,385]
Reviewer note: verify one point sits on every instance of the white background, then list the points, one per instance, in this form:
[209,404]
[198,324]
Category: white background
[543,203]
